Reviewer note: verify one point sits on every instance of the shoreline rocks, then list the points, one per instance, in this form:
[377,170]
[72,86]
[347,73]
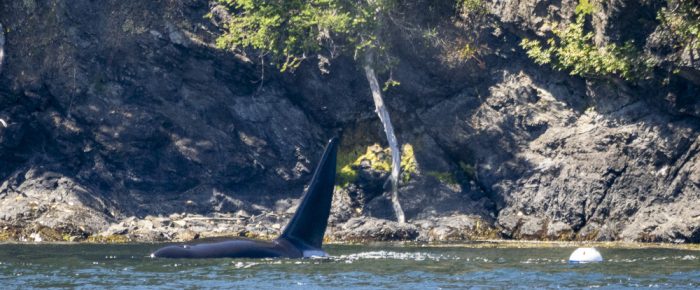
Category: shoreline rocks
[127,109]
[191,227]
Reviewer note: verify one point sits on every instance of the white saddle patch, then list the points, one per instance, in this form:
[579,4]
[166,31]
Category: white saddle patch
[314,253]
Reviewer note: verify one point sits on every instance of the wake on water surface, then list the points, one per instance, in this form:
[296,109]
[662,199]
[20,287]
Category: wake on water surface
[347,267]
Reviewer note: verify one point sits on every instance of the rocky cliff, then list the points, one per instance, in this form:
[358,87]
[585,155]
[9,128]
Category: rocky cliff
[125,121]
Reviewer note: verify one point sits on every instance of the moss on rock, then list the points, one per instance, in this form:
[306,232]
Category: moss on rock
[377,158]
[109,239]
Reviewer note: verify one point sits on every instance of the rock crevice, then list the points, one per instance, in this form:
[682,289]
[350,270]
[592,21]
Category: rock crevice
[123,121]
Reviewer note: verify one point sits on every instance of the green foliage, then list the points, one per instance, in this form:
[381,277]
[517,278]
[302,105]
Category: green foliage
[345,171]
[682,19]
[573,49]
[468,51]
[289,31]
[111,239]
[389,84]
[584,7]
[444,177]
[473,8]
[409,165]
[468,170]
[473,13]
[378,158]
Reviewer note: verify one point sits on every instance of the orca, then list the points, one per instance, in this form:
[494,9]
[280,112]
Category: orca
[301,238]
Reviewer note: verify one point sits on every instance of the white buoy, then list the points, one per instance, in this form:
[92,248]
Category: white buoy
[585,255]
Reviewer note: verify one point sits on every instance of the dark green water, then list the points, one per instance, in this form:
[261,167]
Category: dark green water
[351,267]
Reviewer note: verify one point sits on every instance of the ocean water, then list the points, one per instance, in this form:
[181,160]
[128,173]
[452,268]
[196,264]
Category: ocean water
[349,267]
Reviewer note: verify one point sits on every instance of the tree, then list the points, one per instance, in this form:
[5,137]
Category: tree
[289,31]
[572,48]
[682,19]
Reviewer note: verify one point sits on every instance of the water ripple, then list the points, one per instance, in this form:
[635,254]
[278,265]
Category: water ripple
[349,267]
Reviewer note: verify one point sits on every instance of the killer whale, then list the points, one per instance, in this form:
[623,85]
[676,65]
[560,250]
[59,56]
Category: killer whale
[303,235]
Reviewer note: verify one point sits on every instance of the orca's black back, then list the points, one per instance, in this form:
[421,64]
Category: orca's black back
[308,225]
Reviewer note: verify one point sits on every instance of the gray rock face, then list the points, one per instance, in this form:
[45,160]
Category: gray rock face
[141,122]
[533,15]
[124,120]
[557,168]
[361,230]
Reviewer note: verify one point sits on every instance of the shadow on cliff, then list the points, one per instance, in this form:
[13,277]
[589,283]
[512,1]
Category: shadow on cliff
[561,157]
[132,102]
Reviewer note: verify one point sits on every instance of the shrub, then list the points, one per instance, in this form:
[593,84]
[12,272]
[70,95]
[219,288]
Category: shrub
[573,49]
[682,19]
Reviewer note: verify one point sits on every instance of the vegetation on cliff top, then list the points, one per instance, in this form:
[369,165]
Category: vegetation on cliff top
[682,19]
[288,32]
[572,48]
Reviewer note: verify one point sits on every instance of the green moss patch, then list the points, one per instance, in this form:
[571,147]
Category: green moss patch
[378,158]
[444,177]
[110,239]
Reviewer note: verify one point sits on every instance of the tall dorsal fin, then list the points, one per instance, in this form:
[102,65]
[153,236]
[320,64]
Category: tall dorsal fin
[308,225]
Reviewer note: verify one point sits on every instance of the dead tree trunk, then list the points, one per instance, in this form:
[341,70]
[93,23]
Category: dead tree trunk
[390,136]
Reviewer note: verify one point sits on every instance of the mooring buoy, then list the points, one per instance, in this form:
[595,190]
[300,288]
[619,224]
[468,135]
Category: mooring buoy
[585,255]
